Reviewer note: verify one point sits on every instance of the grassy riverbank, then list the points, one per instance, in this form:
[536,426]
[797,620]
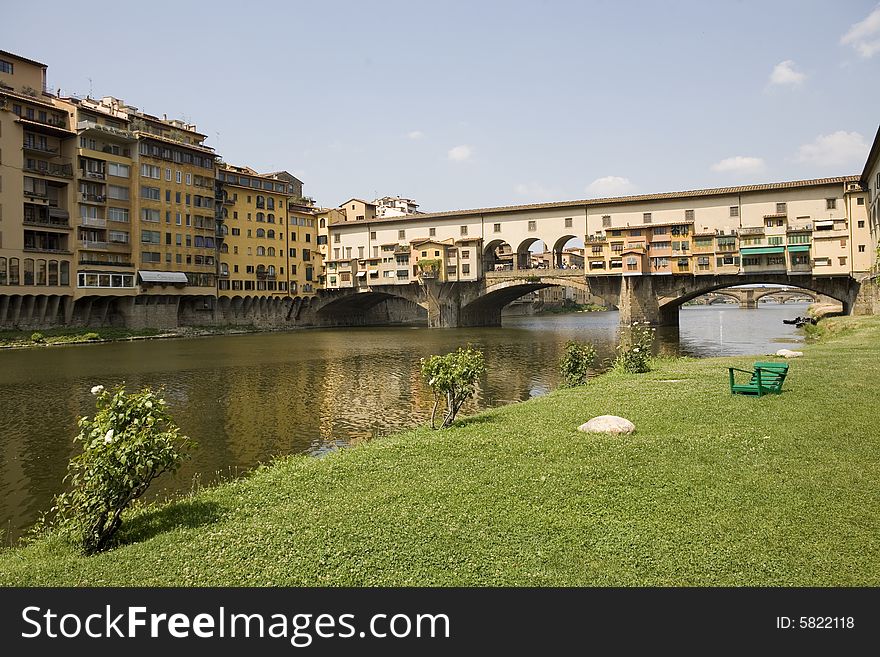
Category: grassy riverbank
[712,490]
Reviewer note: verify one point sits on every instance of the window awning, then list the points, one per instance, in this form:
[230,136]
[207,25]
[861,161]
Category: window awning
[162,276]
[824,223]
[374,272]
[762,250]
[361,274]
[799,247]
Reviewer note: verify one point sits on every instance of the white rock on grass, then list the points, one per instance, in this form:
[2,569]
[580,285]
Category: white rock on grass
[608,424]
[788,353]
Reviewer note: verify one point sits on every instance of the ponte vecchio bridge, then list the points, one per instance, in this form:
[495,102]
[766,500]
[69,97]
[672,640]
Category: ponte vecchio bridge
[646,255]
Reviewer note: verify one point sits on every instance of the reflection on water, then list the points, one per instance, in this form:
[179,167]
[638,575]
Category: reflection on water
[247,398]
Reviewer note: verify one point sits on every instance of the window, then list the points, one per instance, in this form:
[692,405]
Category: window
[150,215]
[177,177]
[372,234]
[496,228]
[781,208]
[168,175]
[118,170]
[774,241]
[734,210]
[149,171]
[189,179]
[842,260]
[533,226]
[466,268]
[151,237]
[465,254]
[606,221]
[463,230]
[860,200]
[261,232]
[861,224]
[689,216]
[861,248]
[151,193]
[401,234]
[568,222]
[336,238]
[646,217]
[432,232]
[117,192]
[151,256]
[5,67]
[830,203]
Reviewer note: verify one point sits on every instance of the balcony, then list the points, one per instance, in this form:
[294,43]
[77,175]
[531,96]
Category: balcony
[56,170]
[93,244]
[93,221]
[105,130]
[758,230]
[401,249]
[776,215]
[92,198]
[46,222]
[265,276]
[102,263]
[596,238]
[799,229]
[39,148]
[46,249]
[94,175]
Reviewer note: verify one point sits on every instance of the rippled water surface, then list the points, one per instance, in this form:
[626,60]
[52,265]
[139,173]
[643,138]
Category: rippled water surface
[247,398]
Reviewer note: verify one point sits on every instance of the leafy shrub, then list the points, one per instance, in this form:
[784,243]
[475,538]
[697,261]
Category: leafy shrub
[634,350]
[91,336]
[37,337]
[131,441]
[453,376]
[575,363]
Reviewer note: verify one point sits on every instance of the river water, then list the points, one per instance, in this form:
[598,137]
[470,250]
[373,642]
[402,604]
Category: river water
[247,398]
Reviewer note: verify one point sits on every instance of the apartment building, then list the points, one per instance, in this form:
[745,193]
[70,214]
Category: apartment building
[37,186]
[269,234]
[870,181]
[395,206]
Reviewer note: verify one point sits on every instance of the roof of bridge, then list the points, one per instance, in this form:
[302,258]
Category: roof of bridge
[715,191]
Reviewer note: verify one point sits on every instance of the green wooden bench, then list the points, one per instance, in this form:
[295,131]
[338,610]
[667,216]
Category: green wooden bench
[767,378]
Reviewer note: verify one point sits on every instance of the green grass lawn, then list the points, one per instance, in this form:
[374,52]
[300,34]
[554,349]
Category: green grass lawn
[712,490]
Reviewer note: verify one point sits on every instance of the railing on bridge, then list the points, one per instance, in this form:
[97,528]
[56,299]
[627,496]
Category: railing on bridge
[510,274]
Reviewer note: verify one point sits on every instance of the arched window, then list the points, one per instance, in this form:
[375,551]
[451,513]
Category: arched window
[261,217]
[261,250]
[270,203]
[270,218]
[65,273]
[270,251]
[53,272]
[41,272]
[261,269]
[28,271]
[271,270]
[323,223]
[261,202]
[224,229]
[224,269]
[270,234]
[261,232]
[224,248]
[3,273]
[226,213]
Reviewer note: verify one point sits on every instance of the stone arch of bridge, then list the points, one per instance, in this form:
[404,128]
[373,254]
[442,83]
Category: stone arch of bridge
[498,294]
[354,307]
[842,289]
[793,291]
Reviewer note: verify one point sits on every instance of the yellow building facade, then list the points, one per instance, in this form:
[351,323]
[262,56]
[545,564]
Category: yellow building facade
[269,235]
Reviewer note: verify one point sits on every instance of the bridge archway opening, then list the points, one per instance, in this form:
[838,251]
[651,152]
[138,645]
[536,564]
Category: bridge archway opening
[497,256]
[563,255]
[524,252]
[761,289]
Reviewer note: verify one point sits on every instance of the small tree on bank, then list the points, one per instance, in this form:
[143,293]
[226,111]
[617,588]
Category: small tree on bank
[634,351]
[131,441]
[576,362]
[453,377]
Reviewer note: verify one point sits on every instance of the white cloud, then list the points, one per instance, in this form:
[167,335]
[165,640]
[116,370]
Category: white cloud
[415,134]
[535,191]
[460,153]
[836,149]
[739,164]
[784,75]
[610,186]
[865,35]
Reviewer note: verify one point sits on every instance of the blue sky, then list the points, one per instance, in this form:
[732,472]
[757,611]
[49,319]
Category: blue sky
[472,104]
